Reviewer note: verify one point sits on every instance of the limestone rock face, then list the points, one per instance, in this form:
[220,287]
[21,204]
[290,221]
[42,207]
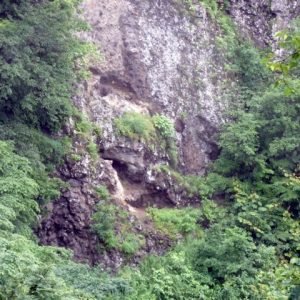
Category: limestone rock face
[157,58]
[260,20]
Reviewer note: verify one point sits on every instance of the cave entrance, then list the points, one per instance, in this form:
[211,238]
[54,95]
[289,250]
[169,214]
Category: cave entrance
[122,169]
[136,192]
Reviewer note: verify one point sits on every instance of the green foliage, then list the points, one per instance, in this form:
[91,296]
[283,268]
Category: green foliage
[17,192]
[27,270]
[229,252]
[43,153]
[87,133]
[113,227]
[211,6]
[263,140]
[93,282]
[174,222]
[211,213]
[247,63]
[172,153]
[168,277]
[135,126]
[38,55]
[164,126]
[102,192]
[130,243]
[242,135]
[92,149]
[288,65]
[84,127]
[103,223]
[165,129]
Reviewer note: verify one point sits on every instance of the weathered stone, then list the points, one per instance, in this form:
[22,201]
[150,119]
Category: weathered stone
[164,62]
[260,20]
[157,58]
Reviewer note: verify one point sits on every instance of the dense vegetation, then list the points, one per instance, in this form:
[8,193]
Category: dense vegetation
[247,247]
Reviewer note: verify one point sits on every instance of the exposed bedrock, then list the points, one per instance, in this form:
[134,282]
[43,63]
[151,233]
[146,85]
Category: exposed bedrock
[156,58]
[260,20]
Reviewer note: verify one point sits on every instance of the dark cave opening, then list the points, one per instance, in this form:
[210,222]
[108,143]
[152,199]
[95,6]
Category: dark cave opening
[121,168]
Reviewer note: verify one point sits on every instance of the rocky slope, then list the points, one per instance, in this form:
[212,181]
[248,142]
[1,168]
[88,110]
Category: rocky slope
[157,57]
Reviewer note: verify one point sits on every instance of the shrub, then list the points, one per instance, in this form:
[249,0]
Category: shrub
[38,70]
[103,223]
[131,243]
[113,228]
[135,126]
[82,125]
[164,126]
[102,192]
[165,130]
[92,150]
[175,221]
[93,282]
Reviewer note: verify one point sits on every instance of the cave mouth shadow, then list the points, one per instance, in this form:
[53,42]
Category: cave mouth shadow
[150,196]
[122,169]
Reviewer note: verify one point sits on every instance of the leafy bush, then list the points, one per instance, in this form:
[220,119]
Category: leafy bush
[93,282]
[113,227]
[175,221]
[39,54]
[223,253]
[41,149]
[43,153]
[211,213]
[231,260]
[103,223]
[135,126]
[131,243]
[102,192]
[164,126]
[18,191]
[167,277]
[92,149]
[27,270]
[165,129]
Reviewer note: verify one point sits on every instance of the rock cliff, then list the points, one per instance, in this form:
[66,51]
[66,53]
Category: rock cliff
[158,57]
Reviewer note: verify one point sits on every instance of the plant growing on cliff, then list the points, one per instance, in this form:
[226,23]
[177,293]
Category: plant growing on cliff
[135,126]
[102,192]
[113,227]
[165,130]
[164,126]
[174,222]
[87,133]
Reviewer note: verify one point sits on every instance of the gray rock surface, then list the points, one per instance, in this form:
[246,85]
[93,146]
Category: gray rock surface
[260,20]
[156,58]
